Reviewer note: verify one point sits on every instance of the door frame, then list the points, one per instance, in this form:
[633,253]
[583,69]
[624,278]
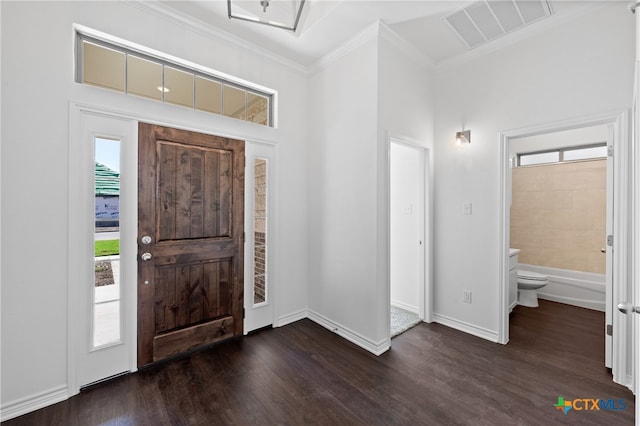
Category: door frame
[80,253]
[425,289]
[263,315]
[216,126]
[621,124]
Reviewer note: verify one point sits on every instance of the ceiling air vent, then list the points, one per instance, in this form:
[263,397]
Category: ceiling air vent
[487,20]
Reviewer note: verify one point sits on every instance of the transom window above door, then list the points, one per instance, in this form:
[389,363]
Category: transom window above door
[140,72]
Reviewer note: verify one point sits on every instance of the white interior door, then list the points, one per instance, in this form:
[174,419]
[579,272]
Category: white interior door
[609,253]
[259,287]
[407,227]
[636,339]
[101,288]
[635,226]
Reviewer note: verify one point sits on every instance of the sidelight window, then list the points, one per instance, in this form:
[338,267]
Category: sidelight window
[260,231]
[106,300]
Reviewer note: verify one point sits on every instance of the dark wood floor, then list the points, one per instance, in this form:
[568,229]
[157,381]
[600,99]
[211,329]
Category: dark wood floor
[433,375]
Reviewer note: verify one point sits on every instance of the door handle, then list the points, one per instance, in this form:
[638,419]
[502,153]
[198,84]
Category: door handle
[146,256]
[603,250]
[625,308]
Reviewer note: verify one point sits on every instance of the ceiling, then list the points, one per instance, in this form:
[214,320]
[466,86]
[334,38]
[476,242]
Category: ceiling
[327,24]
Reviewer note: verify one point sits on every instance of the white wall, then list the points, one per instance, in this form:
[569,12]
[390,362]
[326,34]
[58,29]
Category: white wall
[406,110]
[37,86]
[581,68]
[342,193]
[404,210]
[368,90]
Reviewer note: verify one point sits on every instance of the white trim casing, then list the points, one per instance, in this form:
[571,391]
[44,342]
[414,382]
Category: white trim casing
[620,121]
[120,43]
[33,402]
[80,250]
[290,318]
[397,304]
[376,348]
[466,327]
[264,315]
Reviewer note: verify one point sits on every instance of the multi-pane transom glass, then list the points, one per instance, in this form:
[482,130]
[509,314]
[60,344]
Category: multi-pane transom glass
[587,152]
[113,67]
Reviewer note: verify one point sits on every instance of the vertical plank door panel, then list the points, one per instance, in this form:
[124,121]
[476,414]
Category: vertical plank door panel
[167,192]
[191,199]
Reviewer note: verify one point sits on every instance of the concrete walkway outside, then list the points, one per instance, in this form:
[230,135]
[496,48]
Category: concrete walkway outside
[106,312]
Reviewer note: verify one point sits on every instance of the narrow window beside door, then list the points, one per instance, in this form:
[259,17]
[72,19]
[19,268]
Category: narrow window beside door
[106,285]
[260,232]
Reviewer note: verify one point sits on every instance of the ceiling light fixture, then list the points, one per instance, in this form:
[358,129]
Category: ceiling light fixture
[284,14]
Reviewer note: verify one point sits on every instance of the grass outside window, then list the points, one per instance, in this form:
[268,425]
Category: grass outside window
[107,248]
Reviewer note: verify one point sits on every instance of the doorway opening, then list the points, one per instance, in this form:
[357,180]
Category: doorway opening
[407,234]
[611,130]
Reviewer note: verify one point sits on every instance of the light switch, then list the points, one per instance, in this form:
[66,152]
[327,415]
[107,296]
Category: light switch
[467,209]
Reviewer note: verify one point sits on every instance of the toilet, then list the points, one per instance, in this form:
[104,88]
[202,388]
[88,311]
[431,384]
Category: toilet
[528,284]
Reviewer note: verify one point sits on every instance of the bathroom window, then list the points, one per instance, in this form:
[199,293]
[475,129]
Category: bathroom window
[588,153]
[579,153]
[538,158]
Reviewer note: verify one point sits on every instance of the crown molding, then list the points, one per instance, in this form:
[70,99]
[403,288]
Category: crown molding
[200,27]
[402,45]
[368,34]
[376,30]
[517,36]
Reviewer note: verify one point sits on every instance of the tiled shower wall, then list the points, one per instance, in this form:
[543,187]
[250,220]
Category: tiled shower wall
[558,214]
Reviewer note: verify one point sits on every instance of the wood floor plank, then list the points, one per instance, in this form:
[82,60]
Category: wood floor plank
[302,374]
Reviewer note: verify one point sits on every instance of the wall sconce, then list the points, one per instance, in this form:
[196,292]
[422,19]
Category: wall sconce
[463,137]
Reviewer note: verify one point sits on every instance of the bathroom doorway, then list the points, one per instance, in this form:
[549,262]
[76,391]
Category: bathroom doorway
[587,289]
[407,240]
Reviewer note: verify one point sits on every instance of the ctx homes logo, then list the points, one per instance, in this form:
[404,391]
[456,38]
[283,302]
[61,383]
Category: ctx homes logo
[589,404]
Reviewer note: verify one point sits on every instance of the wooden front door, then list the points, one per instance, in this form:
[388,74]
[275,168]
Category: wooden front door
[190,240]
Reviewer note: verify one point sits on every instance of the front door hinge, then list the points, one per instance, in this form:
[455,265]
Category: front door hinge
[244,312]
[610,240]
[610,150]
[609,330]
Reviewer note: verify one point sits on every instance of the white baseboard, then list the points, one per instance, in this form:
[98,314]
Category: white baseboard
[33,402]
[583,289]
[589,304]
[406,307]
[466,327]
[376,348]
[290,318]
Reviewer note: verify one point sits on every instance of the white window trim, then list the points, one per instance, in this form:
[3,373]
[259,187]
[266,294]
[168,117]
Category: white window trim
[81,31]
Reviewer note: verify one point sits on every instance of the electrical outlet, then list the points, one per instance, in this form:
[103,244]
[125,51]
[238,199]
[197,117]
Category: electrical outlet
[466,296]
[466,209]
